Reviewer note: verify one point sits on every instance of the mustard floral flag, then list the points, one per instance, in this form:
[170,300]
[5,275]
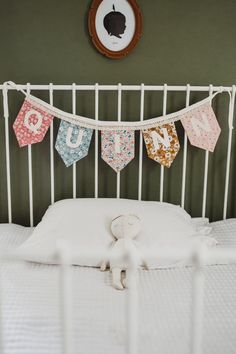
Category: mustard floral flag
[162,143]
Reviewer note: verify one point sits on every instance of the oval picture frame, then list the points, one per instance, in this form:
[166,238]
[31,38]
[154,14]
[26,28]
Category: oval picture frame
[115,26]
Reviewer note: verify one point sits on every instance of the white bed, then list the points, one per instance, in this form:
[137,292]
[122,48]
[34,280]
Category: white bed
[30,312]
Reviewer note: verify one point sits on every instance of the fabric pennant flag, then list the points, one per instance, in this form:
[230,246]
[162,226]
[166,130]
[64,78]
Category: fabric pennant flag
[31,124]
[73,142]
[117,148]
[201,127]
[162,143]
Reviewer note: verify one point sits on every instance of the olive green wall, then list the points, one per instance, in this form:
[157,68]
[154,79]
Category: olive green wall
[182,42]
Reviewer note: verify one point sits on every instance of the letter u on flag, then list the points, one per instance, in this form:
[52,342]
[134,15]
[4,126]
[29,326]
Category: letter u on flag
[31,124]
[162,143]
[117,148]
[201,127]
[73,142]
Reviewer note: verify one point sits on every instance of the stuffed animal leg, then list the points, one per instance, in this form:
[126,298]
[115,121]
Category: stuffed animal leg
[116,278]
[105,262]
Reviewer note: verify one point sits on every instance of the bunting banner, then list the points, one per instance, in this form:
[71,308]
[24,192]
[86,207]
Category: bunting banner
[117,148]
[117,138]
[73,142]
[201,127]
[31,124]
[162,143]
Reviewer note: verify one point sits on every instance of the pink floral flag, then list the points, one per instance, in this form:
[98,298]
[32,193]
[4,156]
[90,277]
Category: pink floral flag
[201,127]
[117,148]
[31,124]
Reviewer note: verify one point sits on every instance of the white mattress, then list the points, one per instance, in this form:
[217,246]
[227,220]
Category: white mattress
[30,306]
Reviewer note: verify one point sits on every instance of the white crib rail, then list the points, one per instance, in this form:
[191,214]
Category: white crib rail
[66,298]
[31,202]
[140,171]
[96,142]
[132,305]
[7,146]
[118,119]
[198,302]
[227,172]
[52,177]
[74,112]
[185,153]
[204,197]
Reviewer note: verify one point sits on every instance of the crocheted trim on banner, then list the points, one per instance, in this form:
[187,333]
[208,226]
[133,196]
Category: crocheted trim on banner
[112,125]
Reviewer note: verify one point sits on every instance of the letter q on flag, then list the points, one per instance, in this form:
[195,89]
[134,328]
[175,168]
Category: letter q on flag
[201,127]
[31,124]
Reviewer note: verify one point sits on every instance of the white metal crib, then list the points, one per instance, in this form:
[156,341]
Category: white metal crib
[197,257]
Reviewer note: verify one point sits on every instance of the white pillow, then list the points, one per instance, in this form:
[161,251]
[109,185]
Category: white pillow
[84,224]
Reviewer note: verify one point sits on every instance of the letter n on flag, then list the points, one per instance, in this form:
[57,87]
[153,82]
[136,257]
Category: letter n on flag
[201,127]
[162,143]
[31,124]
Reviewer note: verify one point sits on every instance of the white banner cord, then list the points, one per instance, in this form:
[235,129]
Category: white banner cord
[113,125]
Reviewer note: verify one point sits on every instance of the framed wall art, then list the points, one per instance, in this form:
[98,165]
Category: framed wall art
[115,26]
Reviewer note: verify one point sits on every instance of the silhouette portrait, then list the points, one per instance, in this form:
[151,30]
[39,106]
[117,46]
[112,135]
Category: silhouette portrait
[115,23]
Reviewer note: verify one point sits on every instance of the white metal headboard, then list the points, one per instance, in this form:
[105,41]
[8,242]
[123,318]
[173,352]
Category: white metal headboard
[132,294]
[119,88]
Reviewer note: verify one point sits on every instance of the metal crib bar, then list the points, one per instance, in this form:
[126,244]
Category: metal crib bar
[229,150]
[118,119]
[96,141]
[204,197]
[65,284]
[8,167]
[162,167]
[185,153]
[31,206]
[52,177]
[124,88]
[197,304]
[132,304]
[140,173]
[74,112]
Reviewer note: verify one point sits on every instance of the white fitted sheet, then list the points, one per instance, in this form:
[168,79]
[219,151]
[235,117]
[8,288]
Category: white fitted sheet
[30,305]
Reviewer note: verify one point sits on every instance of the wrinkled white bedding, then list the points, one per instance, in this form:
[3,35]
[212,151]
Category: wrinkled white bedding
[31,317]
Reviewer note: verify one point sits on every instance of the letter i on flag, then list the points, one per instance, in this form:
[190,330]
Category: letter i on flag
[31,124]
[162,143]
[201,127]
[117,148]
[73,142]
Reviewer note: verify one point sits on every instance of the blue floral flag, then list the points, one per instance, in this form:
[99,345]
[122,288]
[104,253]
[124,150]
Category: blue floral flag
[73,142]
